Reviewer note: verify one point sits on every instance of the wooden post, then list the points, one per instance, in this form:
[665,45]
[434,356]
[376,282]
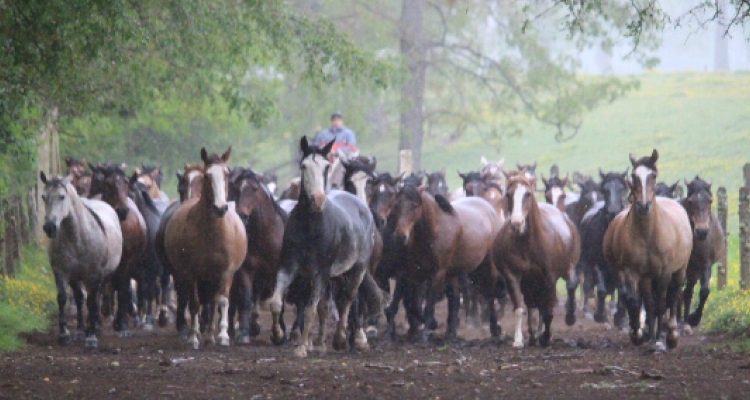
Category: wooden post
[745,230]
[48,161]
[405,162]
[722,209]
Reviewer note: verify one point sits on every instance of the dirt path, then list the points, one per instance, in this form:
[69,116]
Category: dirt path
[585,361]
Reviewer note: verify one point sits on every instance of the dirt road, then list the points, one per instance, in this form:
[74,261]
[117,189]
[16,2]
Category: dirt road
[585,361]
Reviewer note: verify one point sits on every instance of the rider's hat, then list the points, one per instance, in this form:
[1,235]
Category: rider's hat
[337,114]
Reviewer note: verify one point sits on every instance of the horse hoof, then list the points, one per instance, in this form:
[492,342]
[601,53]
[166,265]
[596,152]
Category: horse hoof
[339,341]
[659,347]
[694,320]
[64,339]
[544,341]
[277,336]
[195,345]
[243,339]
[223,340]
[532,342]
[92,343]
[300,351]
[432,325]
[371,332]
[163,319]
[79,336]
[687,330]
[148,327]
[496,330]
[600,318]
[570,319]
[589,316]
[517,345]
[294,336]
[254,330]
[124,333]
[360,341]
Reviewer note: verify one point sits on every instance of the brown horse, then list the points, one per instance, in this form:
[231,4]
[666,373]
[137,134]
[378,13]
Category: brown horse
[649,246]
[554,191]
[443,240]
[708,245]
[115,191]
[148,181]
[206,244]
[81,177]
[293,191]
[537,246]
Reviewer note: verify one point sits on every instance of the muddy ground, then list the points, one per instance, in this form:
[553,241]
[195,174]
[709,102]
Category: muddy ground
[586,361]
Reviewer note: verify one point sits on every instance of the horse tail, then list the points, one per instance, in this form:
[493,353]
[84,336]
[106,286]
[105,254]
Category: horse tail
[372,295]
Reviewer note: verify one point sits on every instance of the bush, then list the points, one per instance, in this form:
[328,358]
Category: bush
[728,310]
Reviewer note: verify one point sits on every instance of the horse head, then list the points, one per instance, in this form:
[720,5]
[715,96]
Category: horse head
[250,192]
[116,189]
[56,201]
[644,180]
[664,190]
[613,187]
[216,175]
[314,166]
[436,183]
[698,206]
[554,190]
[358,172]
[407,211]
[383,194]
[473,183]
[521,201]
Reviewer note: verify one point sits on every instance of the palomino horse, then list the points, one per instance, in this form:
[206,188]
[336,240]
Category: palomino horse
[708,245]
[554,191]
[81,177]
[84,248]
[115,191]
[206,244]
[149,268]
[649,245]
[536,247]
[441,241]
[328,235]
[264,222]
[597,272]
[189,186]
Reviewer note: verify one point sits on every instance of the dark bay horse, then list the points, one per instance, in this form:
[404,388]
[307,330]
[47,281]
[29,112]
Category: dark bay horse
[708,245]
[206,244]
[441,241]
[328,235]
[554,191]
[85,247]
[189,186]
[115,192]
[589,195]
[664,190]
[649,245]
[436,183]
[597,272]
[536,246]
[383,195]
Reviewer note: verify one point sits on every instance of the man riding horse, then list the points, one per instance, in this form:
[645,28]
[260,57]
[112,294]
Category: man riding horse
[346,139]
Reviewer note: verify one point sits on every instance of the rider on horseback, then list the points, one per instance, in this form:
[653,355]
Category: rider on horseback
[346,140]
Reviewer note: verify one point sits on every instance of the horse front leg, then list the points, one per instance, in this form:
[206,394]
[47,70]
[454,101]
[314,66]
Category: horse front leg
[284,278]
[165,299]
[184,293]
[195,305]
[601,299]
[571,285]
[122,285]
[514,292]
[93,306]
[629,292]
[78,297]
[317,291]
[348,293]
[243,286]
[672,303]
[660,308]
[646,287]
[62,298]
[222,299]
[687,300]
[694,319]
[546,309]
[322,311]
[454,300]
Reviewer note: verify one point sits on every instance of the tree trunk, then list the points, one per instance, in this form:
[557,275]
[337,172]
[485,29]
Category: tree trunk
[412,45]
[721,44]
[48,160]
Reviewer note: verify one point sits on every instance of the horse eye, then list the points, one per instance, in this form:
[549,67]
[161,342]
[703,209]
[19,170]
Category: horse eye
[527,195]
[62,197]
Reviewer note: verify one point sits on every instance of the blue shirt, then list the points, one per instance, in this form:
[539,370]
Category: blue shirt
[342,135]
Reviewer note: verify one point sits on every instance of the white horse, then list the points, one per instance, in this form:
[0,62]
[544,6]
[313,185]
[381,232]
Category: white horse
[85,248]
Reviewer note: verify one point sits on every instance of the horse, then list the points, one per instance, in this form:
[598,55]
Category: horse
[358,173]
[85,247]
[264,222]
[382,195]
[436,183]
[649,244]
[189,186]
[271,180]
[149,269]
[328,235]
[708,245]
[664,190]
[153,189]
[81,177]
[597,272]
[293,191]
[206,244]
[554,191]
[115,192]
[535,247]
[530,171]
[442,240]
[492,170]
[589,195]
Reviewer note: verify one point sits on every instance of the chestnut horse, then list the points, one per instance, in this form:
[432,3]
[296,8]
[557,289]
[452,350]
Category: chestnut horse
[328,235]
[441,241]
[708,245]
[115,192]
[536,246]
[649,245]
[85,247]
[206,244]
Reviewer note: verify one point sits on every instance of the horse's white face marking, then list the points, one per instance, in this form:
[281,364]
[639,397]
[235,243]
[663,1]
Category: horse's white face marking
[529,175]
[142,180]
[556,193]
[190,176]
[493,194]
[272,187]
[440,184]
[313,171]
[595,196]
[642,172]
[359,179]
[57,204]
[516,216]
[381,188]
[218,184]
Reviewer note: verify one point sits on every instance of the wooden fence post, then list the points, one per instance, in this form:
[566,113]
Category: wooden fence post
[745,230]
[722,209]
[405,162]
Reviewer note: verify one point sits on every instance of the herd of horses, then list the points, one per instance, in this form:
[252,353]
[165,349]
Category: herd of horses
[342,234]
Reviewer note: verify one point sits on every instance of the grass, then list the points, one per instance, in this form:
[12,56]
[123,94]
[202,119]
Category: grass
[26,301]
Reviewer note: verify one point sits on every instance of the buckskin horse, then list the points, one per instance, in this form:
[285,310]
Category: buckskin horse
[206,244]
[649,244]
[328,235]
[85,247]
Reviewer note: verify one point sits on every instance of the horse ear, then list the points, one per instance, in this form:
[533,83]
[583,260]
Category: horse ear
[674,186]
[484,161]
[134,178]
[400,177]
[654,156]
[546,182]
[43,177]
[501,162]
[123,167]
[518,165]
[67,180]
[601,173]
[632,159]
[505,173]
[235,173]
[225,156]
[463,176]
[624,174]
[204,155]
[328,147]
[709,182]
[373,163]
[533,167]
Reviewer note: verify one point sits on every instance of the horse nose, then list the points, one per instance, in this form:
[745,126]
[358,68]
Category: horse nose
[50,229]
[517,224]
[701,233]
[318,200]
[221,210]
[644,208]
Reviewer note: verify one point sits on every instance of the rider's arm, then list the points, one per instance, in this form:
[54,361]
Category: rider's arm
[351,138]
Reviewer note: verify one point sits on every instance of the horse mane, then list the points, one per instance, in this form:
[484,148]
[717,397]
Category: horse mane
[387,178]
[444,204]
[517,177]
